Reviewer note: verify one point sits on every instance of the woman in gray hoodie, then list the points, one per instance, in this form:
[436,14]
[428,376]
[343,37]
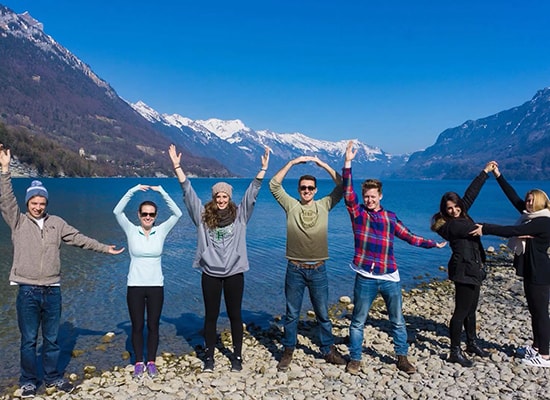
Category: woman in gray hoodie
[221,252]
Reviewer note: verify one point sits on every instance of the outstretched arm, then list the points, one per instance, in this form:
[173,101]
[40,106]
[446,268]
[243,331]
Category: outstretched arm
[265,163]
[176,159]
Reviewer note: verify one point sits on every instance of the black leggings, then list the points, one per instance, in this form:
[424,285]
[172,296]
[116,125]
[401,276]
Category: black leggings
[466,300]
[138,298]
[538,297]
[232,287]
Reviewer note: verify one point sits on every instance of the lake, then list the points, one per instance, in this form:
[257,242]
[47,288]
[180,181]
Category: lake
[94,285]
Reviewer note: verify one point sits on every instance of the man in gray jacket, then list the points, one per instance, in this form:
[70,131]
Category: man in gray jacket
[36,238]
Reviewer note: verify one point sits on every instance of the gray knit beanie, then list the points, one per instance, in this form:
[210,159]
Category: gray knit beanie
[222,187]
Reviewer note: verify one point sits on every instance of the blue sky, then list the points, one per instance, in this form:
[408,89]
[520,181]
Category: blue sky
[393,74]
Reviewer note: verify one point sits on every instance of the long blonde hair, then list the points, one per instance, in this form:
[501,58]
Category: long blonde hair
[540,199]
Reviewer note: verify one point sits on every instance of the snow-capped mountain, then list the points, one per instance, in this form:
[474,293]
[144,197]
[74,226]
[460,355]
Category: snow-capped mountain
[239,147]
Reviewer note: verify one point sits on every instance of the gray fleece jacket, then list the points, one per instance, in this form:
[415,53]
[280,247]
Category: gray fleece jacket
[221,252]
[36,252]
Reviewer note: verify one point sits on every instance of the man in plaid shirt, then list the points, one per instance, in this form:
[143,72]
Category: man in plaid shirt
[374,230]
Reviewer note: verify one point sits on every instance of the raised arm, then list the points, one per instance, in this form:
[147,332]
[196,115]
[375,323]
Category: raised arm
[5,158]
[509,191]
[350,154]
[265,164]
[336,177]
[280,175]
[474,188]
[176,159]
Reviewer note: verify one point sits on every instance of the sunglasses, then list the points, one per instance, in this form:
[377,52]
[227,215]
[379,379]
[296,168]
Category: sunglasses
[146,214]
[310,188]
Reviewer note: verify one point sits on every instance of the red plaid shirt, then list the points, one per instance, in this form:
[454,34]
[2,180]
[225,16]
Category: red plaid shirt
[374,232]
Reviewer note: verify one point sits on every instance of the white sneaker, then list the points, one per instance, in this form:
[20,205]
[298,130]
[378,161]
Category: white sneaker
[536,361]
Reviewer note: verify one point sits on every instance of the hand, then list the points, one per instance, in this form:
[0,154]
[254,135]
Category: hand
[350,151]
[478,231]
[491,165]
[155,188]
[113,250]
[174,156]
[301,160]
[440,245]
[5,158]
[496,172]
[265,157]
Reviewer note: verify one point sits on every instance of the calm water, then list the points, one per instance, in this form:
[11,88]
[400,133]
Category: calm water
[94,285]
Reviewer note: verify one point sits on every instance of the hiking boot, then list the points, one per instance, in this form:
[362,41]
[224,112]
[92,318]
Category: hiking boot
[139,369]
[286,358]
[458,357]
[404,365]
[472,348]
[61,385]
[28,390]
[236,364]
[208,365]
[334,356]
[353,367]
[152,369]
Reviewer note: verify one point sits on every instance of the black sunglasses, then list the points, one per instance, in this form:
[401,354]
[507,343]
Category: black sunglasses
[310,188]
[146,214]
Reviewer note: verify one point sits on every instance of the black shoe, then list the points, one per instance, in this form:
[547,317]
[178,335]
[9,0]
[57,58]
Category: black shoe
[208,365]
[236,364]
[62,385]
[28,390]
[458,357]
[473,348]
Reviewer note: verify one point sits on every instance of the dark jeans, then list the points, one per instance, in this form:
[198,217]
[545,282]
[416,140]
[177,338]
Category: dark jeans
[232,287]
[39,306]
[466,300]
[139,298]
[538,297]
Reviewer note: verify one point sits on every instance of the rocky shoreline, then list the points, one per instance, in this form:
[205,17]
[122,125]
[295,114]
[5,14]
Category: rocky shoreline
[503,321]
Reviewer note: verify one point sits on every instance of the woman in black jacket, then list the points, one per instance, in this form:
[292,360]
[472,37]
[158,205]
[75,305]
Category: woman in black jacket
[530,241]
[466,266]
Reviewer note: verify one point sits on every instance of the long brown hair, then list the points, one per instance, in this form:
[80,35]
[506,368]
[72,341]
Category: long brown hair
[442,216]
[210,216]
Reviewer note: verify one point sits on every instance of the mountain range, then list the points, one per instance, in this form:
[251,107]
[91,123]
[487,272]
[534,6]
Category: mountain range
[52,100]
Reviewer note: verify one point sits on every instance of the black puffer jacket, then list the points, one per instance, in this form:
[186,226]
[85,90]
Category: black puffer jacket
[467,263]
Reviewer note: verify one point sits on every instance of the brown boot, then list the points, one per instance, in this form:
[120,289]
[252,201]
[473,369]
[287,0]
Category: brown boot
[404,365]
[353,367]
[334,356]
[286,358]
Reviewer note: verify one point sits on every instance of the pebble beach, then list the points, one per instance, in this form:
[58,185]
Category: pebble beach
[503,326]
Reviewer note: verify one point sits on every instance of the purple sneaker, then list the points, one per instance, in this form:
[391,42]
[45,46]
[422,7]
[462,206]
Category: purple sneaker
[152,369]
[139,369]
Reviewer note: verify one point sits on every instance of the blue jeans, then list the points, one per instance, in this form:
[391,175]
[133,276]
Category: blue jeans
[39,305]
[364,293]
[316,280]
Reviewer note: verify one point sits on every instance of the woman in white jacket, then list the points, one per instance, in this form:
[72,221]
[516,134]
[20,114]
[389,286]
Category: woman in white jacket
[145,278]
